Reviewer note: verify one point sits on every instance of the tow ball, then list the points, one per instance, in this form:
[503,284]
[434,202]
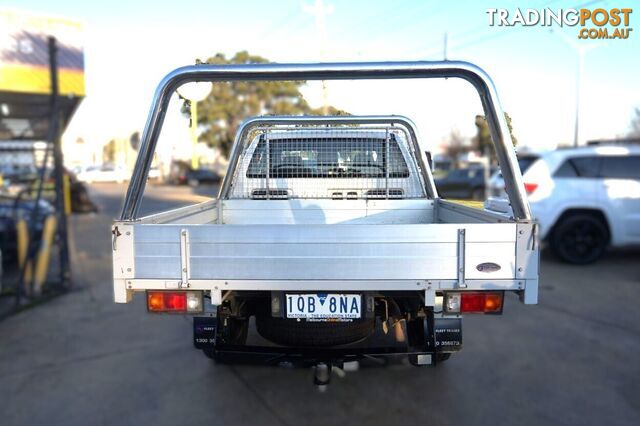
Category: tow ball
[322,375]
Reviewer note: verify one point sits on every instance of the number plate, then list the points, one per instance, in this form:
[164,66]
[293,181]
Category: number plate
[324,306]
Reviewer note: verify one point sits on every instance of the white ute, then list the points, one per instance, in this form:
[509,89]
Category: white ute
[328,233]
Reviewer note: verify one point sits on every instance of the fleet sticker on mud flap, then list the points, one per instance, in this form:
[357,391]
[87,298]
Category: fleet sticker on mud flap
[448,333]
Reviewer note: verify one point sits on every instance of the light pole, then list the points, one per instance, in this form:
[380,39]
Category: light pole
[194,93]
[582,50]
[445,47]
[320,11]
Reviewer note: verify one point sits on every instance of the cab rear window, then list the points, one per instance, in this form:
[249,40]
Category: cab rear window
[328,158]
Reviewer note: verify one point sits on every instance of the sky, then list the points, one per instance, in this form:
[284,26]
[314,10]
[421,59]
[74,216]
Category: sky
[131,45]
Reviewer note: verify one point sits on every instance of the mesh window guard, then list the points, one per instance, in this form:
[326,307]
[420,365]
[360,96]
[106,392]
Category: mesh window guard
[336,162]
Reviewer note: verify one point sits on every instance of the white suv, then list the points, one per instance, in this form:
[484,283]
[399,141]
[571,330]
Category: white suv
[584,199]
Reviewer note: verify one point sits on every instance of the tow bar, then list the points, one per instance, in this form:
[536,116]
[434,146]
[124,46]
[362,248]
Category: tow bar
[427,337]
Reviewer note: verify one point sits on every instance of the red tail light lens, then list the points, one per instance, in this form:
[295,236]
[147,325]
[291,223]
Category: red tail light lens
[174,301]
[473,302]
[530,187]
[479,302]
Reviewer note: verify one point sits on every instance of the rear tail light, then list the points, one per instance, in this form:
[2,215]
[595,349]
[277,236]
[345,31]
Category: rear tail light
[179,302]
[478,302]
[530,187]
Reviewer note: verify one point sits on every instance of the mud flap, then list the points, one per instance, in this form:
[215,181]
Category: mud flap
[433,336]
[204,332]
[448,334]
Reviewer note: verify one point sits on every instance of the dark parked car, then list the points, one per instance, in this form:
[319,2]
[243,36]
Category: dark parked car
[467,183]
[202,176]
[182,174]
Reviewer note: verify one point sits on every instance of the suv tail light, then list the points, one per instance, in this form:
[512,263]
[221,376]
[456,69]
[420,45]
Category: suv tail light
[530,187]
[474,302]
[178,302]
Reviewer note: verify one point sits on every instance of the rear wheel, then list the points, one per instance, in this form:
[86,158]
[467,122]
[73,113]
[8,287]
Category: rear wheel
[290,332]
[580,239]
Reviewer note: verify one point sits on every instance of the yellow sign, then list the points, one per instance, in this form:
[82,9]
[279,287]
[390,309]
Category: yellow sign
[24,54]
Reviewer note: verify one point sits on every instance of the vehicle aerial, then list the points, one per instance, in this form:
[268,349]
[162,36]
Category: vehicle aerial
[104,173]
[466,183]
[585,199]
[329,232]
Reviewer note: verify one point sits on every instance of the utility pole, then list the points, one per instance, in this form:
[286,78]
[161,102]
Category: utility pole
[320,11]
[579,71]
[581,50]
[446,45]
[58,167]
